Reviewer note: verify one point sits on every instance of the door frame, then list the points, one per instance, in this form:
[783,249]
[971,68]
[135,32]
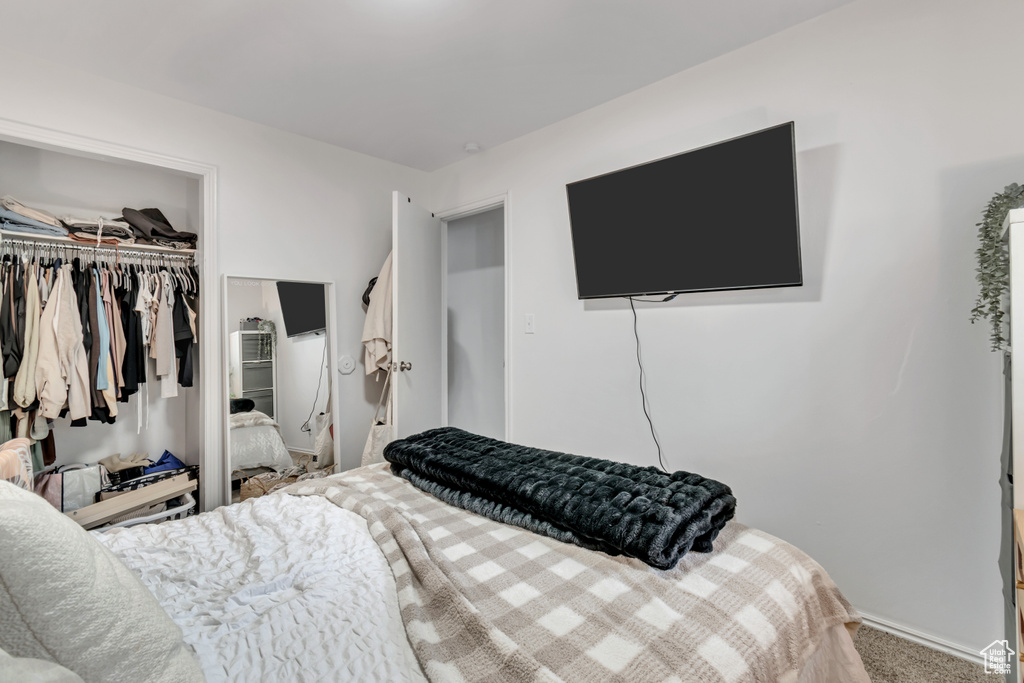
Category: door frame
[207,262]
[464,211]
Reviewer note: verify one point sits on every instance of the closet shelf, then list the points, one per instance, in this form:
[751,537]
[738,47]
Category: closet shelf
[67,241]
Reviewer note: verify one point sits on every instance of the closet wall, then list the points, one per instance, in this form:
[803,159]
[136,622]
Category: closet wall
[65,183]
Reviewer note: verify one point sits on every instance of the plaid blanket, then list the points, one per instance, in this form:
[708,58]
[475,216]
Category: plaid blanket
[482,601]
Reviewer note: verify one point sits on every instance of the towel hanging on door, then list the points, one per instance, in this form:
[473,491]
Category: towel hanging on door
[377,328]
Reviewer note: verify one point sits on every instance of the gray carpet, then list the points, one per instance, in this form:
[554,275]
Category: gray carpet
[889,659]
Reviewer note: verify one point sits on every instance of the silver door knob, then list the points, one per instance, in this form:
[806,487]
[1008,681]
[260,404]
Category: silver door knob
[403,366]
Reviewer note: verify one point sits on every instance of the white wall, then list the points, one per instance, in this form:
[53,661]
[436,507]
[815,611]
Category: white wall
[299,372]
[288,207]
[859,416]
[476,323]
[244,300]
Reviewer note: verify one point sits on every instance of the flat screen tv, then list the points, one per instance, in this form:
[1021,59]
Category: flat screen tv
[719,217]
[303,307]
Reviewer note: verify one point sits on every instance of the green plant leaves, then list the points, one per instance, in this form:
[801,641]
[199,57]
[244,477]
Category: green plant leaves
[994,262]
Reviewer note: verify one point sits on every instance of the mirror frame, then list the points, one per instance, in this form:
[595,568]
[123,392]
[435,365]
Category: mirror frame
[225,388]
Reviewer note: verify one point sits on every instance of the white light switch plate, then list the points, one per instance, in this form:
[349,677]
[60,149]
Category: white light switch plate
[529,323]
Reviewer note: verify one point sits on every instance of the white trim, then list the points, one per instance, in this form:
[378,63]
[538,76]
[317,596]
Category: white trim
[922,638]
[464,211]
[332,340]
[472,208]
[210,423]
[211,314]
[508,319]
[225,391]
[59,141]
[444,323]
[396,254]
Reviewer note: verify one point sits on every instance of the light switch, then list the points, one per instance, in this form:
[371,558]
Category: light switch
[529,323]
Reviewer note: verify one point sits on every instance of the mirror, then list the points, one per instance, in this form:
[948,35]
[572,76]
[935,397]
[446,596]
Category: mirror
[278,406]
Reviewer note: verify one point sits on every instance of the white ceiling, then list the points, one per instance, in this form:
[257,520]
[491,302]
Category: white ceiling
[409,81]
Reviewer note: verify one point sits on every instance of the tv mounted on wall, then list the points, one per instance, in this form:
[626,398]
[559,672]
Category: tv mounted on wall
[303,306]
[719,217]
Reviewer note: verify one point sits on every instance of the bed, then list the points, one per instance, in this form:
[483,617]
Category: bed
[363,577]
[256,442]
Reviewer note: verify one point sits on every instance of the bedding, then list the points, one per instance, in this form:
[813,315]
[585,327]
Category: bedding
[614,507]
[16,463]
[362,576]
[276,588]
[256,442]
[484,601]
[65,599]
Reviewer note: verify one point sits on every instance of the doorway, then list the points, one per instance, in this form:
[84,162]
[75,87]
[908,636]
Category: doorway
[449,308]
[475,329]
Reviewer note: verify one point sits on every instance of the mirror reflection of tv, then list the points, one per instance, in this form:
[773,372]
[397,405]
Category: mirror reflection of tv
[720,217]
[303,306]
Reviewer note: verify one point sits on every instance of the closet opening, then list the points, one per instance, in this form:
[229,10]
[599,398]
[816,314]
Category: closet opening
[474,329]
[91,186]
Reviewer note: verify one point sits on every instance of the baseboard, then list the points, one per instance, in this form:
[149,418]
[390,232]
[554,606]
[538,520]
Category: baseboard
[921,638]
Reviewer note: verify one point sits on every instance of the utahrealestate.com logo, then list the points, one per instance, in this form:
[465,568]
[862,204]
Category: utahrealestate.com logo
[998,656]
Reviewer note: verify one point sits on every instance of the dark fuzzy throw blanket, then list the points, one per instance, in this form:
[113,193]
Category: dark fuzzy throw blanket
[609,506]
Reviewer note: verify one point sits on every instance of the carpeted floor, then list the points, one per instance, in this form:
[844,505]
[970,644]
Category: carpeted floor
[889,659]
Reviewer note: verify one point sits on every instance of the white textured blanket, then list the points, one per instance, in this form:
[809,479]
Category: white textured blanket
[276,589]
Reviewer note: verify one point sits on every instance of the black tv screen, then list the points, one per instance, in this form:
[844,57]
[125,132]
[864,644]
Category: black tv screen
[303,306]
[719,217]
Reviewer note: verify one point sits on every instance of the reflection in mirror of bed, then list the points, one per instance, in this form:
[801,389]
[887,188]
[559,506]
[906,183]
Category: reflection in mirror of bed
[278,386]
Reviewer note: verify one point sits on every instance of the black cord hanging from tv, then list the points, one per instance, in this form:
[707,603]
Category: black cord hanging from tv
[643,380]
[320,378]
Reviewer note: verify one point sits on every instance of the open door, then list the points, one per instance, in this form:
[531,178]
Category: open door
[416,341]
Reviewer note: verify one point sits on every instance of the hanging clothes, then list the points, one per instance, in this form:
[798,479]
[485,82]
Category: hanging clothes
[25,381]
[49,378]
[377,328]
[133,342]
[183,338]
[8,349]
[162,344]
[74,363]
[76,337]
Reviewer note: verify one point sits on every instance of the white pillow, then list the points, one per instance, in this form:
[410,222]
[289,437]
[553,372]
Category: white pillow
[35,670]
[65,598]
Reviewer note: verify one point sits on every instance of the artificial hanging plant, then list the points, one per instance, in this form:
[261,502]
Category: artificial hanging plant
[268,338]
[994,262]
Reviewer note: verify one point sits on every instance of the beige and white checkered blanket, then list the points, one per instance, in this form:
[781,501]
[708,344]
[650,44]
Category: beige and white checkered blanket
[482,601]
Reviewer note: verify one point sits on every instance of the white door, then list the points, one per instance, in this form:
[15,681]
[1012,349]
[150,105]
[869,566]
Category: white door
[416,345]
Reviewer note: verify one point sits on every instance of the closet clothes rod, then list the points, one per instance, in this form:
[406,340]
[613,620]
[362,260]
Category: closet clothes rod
[43,244]
[12,235]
